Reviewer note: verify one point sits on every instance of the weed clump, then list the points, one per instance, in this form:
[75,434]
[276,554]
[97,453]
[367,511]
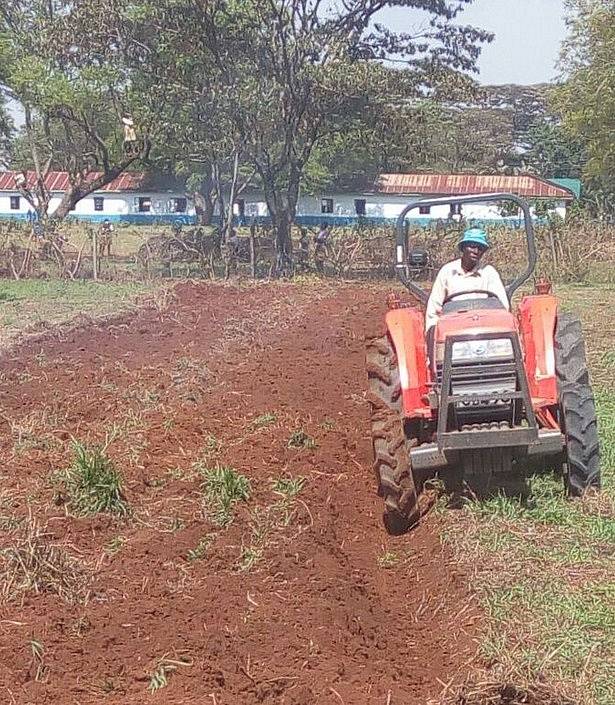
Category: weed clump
[300,439]
[93,484]
[199,551]
[223,487]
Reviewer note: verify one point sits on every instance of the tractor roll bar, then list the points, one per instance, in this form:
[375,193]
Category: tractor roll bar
[402,239]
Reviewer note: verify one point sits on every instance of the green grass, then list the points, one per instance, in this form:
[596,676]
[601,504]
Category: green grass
[267,522]
[545,577]
[223,488]
[29,302]
[92,484]
[545,572]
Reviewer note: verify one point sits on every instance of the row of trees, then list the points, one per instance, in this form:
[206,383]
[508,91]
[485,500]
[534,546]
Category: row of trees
[283,94]
[252,89]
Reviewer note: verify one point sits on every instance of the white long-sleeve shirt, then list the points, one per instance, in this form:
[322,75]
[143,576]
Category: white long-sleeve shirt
[452,279]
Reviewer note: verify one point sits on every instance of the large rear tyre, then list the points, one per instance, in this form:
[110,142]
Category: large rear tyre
[391,457]
[577,407]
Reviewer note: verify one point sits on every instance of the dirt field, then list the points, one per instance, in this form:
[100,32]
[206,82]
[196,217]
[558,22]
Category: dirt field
[301,599]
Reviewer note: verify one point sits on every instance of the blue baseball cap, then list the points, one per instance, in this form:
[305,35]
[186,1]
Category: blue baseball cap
[474,236]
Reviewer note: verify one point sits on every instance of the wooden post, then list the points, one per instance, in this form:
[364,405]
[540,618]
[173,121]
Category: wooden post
[95,254]
[252,250]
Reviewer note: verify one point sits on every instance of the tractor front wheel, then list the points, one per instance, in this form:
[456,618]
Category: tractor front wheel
[577,408]
[391,457]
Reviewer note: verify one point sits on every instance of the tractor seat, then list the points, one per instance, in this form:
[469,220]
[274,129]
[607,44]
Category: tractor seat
[475,304]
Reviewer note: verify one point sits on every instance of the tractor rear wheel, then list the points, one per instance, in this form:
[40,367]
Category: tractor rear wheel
[577,408]
[391,457]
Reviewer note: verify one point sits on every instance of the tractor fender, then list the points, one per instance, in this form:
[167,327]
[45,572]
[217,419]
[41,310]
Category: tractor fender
[406,330]
[537,318]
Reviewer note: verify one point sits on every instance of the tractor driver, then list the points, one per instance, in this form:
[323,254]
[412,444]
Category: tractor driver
[466,274]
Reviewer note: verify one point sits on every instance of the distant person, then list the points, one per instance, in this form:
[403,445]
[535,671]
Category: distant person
[105,238]
[321,242]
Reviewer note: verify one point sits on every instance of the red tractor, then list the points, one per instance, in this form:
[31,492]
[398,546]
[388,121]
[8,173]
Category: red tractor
[497,393]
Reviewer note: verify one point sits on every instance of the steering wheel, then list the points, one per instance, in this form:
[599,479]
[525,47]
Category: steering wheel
[489,294]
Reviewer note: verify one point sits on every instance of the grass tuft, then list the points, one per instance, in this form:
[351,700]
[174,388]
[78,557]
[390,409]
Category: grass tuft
[223,488]
[300,439]
[200,550]
[159,678]
[288,487]
[387,559]
[263,420]
[93,484]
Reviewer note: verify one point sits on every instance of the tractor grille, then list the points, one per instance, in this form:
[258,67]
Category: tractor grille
[480,379]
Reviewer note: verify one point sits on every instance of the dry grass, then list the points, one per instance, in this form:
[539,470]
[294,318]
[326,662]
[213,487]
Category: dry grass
[34,563]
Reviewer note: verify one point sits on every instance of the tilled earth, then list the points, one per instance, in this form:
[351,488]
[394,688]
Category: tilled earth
[300,600]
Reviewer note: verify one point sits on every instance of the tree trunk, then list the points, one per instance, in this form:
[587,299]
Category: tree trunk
[282,209]
[204,206]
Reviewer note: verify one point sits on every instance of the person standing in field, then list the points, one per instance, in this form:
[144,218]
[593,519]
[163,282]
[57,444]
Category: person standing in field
[320,250]
[105,238]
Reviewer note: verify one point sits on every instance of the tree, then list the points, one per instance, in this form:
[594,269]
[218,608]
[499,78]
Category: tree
[552,152]
[75,69]
[285,77]
[6,132]
[586,97]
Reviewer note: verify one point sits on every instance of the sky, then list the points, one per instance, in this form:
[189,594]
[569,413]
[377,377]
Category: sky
[528,35]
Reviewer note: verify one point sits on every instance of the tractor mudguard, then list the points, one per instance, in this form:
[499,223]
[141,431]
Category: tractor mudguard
[407,333]
[537,317]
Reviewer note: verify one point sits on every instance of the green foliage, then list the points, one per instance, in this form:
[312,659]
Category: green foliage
[223,488]
[263,420]
[586,100]
[74,81]
[92,483]
[288,487]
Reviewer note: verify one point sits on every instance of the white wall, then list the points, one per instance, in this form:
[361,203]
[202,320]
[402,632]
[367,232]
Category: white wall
[380,206]
[113,203]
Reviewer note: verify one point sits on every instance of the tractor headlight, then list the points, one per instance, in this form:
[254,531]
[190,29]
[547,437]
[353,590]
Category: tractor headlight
[477,350]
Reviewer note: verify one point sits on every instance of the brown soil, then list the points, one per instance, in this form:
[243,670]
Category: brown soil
[334,611]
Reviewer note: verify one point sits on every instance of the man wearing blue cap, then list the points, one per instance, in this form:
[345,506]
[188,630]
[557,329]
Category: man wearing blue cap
[465,274]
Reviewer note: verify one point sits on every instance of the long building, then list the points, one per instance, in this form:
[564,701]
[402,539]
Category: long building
[131,198]
[135,198]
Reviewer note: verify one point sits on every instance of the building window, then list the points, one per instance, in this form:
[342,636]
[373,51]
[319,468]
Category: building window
[326,205]
[15,203]
[455,209]
[424,210]
[99,203]
[180,205]
[145,204]
[359,206]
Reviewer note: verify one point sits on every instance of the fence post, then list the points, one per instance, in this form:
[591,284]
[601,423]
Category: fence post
[252,250]
[95,254]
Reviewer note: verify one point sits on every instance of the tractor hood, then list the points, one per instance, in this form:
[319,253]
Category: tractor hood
[475,322]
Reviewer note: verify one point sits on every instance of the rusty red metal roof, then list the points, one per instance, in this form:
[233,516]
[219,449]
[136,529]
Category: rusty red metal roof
[465,184]
[58,181]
